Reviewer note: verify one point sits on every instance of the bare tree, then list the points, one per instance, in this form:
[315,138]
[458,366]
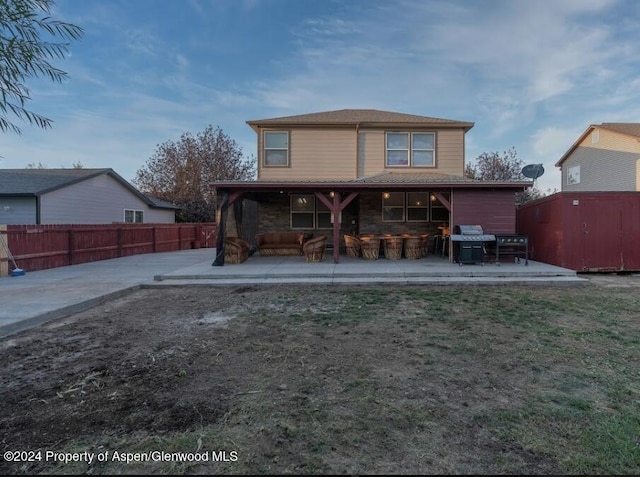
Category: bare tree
[493,166]
[25,54]
[181,172]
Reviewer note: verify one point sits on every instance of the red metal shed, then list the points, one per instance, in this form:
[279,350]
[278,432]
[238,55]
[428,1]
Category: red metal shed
[584,231]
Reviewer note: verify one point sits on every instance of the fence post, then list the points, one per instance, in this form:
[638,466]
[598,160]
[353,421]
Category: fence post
[119,241]
[71,245]
[155,247]
[4,257]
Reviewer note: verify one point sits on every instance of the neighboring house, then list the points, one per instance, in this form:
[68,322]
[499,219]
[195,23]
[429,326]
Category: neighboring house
[593,224]
[376,171]
[76,196]
[606,157]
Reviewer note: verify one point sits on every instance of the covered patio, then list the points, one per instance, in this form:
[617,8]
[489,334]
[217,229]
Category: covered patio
[460,200]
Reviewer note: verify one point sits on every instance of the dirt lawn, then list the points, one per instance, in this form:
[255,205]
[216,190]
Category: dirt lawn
[301,379]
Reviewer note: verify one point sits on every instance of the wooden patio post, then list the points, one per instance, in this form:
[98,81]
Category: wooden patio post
[221,218]
[336,208]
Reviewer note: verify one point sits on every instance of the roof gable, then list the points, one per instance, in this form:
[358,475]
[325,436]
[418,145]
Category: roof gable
[629,129]
[361,117]
[36,182]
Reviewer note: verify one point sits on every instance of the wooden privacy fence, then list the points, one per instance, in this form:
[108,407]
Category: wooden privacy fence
[38,247]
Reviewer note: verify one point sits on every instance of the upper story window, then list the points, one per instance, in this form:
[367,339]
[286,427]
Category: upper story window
[276,148]
[411,149]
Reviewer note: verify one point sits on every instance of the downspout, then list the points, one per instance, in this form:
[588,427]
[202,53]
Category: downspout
[357,149]
[37,209]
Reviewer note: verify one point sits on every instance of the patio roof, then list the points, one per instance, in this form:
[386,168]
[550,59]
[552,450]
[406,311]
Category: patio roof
[383,180]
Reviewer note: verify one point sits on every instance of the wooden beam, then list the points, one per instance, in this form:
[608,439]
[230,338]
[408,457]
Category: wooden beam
[336,207]
[443,201]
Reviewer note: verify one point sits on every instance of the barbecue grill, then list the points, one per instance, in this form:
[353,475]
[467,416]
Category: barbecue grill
[512,244]
[469,243]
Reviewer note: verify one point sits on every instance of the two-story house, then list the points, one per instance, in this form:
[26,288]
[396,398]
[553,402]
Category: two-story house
[366,171]
[606,157]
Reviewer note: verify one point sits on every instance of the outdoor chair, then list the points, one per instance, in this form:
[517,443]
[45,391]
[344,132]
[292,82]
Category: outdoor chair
[314,248]
[424,244]
[393,246]
[352,245]
[370,247]
[236,250]
[412,247]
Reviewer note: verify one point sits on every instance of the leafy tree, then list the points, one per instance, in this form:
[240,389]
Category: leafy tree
[25,54]
[493,166]
[181,172]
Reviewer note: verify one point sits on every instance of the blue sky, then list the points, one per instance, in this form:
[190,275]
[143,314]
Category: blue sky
[531,75]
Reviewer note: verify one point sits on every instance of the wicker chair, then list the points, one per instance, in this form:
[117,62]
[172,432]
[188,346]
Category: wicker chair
[236,250]
[313,249]
[424,245]
[352,245]
[393,246]
[412,247]
[370,247]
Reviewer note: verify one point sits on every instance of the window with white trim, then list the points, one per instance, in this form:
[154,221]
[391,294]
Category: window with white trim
[133,216]
[276,148]
[405,149]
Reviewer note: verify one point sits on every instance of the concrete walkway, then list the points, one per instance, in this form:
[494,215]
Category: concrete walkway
[40,296]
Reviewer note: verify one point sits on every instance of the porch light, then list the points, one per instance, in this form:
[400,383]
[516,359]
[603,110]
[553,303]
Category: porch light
[433,198]
[331,194]
[386,195]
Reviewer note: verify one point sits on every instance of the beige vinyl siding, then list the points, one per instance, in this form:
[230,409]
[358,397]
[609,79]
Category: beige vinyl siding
[611,140]
[372,144]
[316,154]
[449,153]
[610,164]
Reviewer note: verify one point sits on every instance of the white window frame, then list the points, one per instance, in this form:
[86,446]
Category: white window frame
[266,149]
[573,175]
[410,150]
[136,214]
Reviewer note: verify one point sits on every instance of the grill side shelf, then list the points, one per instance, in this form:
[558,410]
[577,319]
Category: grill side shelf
[513,245]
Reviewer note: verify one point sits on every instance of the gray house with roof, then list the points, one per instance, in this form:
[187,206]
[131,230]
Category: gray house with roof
[606,157]
[76,196]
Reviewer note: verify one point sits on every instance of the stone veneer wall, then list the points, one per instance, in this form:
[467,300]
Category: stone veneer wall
[273,216]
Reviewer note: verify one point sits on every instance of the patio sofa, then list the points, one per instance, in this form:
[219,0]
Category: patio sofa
[280,243]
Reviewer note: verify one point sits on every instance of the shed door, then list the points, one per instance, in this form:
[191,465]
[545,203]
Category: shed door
[601,235]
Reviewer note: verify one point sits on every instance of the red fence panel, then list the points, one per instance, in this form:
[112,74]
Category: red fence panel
[38,247]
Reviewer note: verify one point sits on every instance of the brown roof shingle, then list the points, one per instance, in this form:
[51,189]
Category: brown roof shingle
[632,129]
[354,117]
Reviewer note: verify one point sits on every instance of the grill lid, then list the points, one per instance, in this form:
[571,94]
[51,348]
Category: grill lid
[468,229]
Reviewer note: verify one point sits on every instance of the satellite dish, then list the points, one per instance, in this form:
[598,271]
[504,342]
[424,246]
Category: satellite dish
[533,171]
